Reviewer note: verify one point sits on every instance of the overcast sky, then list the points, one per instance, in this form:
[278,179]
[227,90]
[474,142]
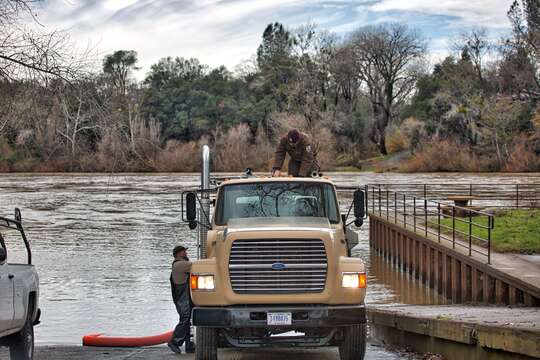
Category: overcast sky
[228,31]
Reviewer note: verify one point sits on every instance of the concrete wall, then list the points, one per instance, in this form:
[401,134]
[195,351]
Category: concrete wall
[454,275]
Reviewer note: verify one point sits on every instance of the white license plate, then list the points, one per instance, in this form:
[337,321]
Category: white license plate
[279,318]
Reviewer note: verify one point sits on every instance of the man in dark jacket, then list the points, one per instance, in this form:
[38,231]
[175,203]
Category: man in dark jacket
[303,155]
[181,268]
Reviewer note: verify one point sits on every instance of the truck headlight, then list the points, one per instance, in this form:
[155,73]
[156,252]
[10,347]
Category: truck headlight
[202,282]
[354,280]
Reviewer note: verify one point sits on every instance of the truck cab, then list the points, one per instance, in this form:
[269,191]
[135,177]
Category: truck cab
[276,262]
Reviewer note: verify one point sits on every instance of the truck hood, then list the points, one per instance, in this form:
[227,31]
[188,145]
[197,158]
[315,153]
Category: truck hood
[279,223]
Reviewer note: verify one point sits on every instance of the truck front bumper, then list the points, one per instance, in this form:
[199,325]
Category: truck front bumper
[302,316]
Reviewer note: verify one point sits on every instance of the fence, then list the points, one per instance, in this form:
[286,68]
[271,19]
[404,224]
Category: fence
[460,226]
[495,195]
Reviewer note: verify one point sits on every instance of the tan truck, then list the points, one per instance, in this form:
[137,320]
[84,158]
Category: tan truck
[276,268]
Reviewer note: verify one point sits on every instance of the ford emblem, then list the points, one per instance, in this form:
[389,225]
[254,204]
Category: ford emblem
[278,266]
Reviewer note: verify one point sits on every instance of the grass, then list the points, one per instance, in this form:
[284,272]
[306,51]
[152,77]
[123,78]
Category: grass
[515,230]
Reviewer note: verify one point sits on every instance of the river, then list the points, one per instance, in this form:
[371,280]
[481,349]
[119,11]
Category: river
[102,246]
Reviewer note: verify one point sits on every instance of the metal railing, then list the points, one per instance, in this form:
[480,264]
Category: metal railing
[427,217]
[493,195]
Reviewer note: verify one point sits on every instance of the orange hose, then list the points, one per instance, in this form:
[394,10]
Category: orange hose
[111,341]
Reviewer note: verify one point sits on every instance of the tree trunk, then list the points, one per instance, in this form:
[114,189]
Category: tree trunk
[499,157]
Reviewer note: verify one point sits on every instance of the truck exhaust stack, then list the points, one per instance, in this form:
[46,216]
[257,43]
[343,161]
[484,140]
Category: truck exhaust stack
[205,203]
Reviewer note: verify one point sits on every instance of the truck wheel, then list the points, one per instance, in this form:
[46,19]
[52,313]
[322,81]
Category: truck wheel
[353,347]
[206,343]
[21,344]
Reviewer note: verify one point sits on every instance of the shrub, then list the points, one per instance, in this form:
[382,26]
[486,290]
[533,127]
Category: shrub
[448,155]
[238,149]
[396,141]
[522,157]
[179,157]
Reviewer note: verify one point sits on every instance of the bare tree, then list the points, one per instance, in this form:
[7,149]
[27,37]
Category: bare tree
[28,53]
[524,16]
[385,57]
[312,52]
[475,45]
[79,112]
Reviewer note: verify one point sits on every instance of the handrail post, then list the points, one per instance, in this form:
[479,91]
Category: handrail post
[490,226]
[439,221]
[404,211]
[414,213]
[373,198]
[380,200]
[425,191]
[453,227]
[387,207]
[470,232]
[425,216]
[395,208]
[366,191]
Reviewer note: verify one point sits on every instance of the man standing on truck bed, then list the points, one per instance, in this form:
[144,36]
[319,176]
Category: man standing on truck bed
[181,268]
[302,152]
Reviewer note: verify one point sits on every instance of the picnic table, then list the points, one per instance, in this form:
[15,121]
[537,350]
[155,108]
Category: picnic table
[461,200]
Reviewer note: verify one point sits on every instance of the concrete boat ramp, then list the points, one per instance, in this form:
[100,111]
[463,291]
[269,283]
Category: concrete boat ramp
[460,332]
[374,352]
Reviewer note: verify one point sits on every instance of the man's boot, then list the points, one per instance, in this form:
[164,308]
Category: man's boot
[174,347]
[190,347]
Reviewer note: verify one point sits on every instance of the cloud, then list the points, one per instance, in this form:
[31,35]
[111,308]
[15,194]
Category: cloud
[488,13]
[226,31]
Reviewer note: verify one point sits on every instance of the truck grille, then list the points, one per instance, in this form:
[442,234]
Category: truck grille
[278,266]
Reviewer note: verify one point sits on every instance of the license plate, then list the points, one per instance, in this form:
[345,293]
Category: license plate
[279,318]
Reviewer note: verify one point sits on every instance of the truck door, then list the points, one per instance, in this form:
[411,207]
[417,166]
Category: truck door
[6,293]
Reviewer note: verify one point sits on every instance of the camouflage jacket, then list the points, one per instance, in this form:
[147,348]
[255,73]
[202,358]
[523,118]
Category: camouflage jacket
[304,152]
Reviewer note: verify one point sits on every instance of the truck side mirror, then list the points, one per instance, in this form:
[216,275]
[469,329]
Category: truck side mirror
[191,209]
[3,255]
[359,207]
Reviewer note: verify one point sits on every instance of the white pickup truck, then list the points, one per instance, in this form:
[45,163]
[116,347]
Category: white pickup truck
[19,294]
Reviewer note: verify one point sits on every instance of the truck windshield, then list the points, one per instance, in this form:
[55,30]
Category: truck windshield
[277,199]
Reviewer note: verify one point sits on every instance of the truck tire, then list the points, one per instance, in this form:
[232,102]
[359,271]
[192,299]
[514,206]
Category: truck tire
[206,343]
[21,344]
[353,347]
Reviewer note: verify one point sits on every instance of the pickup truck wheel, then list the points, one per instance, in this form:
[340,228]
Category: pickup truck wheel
[353,347]
[21,344]
[206,344]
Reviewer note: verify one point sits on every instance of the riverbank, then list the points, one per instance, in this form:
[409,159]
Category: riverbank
[460,332]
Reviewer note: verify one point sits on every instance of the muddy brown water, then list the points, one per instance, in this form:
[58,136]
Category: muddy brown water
[102,246]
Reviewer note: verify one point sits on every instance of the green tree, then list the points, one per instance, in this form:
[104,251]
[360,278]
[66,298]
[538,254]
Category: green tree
[118,66]
[276,64]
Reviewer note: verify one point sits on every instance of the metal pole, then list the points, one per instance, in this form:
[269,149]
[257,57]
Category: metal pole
[404,211]
[387,209]
[490,225]
[205,203]
[414,213]
[453,227]
[380,200]
[470,233]
[425,216]
[373,198]
[439,221]
[395,208]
